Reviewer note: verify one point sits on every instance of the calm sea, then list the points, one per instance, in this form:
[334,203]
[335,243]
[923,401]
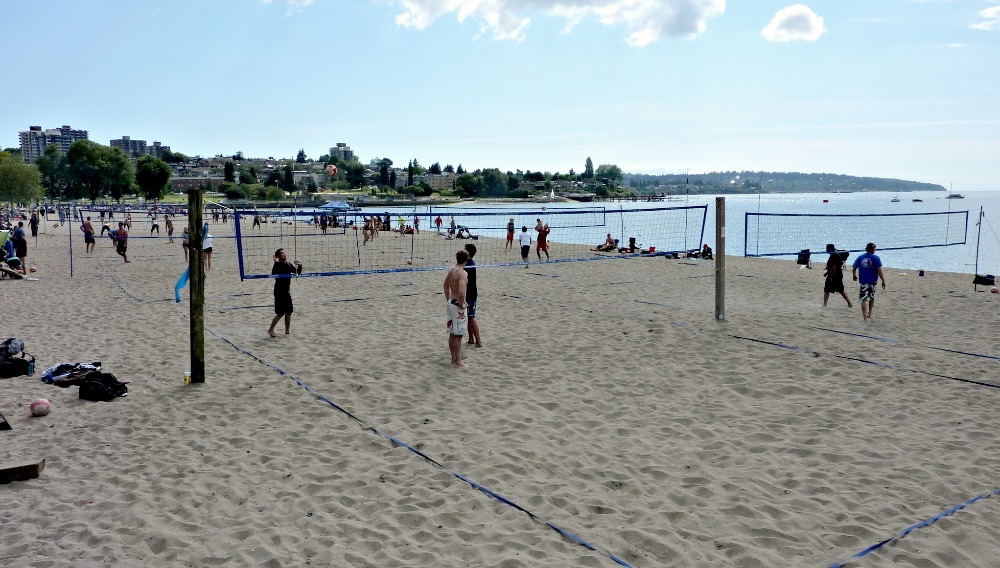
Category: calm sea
[955,258]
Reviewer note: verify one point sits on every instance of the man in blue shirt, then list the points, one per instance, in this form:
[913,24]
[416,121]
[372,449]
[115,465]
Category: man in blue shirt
[871,273]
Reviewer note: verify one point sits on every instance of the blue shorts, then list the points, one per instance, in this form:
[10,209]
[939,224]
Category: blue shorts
[867,293]
[472,309]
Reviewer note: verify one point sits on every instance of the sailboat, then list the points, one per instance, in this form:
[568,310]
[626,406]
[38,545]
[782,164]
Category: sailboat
[895,199]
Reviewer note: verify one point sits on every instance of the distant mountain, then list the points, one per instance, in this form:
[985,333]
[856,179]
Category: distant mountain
[768,182]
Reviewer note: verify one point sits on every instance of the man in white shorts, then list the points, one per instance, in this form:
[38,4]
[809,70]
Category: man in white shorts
[455,285]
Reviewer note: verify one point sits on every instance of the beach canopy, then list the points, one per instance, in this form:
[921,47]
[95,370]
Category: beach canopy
[335,205]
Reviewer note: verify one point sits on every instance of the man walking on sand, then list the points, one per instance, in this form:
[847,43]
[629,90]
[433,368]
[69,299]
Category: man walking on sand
[834,274]
[871,273]
[121,242]
[471,296]
[455,286]
[282,271]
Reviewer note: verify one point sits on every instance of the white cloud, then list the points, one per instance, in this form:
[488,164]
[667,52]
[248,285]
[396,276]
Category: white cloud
[991,19]
[794,23]
[645,20]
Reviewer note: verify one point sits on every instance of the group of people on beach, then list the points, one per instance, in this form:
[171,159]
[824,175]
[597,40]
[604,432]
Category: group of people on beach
[866,270]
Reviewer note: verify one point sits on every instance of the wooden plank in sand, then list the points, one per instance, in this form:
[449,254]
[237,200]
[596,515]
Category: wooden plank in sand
[21,472]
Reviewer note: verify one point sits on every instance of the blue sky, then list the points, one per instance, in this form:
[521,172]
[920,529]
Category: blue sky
[892,88]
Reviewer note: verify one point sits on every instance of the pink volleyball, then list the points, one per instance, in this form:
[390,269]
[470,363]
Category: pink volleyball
[40,407]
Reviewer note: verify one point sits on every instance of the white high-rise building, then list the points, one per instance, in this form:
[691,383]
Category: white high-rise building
[342,151]
[34,140]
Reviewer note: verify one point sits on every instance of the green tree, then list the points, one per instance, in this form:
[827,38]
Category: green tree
[460,170]
[273,179]
[392,179]
[588,169]
[229,172]
[247,178]
[450,169]
[96,170]
[300,158]
[383,175]
[354,174]
[120,173]
[434,169]
[152,175]
[469,185]
[610,171]
[274,193]
[409,174]
[288,179]
[19,182]
[513,182]
[494,184]
[55,178]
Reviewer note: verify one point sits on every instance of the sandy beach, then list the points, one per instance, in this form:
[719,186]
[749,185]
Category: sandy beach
[606,400]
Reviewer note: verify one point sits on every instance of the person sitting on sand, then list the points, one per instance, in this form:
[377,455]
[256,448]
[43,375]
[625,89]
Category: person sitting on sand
[608,246]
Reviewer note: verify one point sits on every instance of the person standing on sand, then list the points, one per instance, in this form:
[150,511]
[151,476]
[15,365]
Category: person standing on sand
[185,243]
[88,236]
[543,244]
[455,285]
[510,233]
[437,223]
[834,275]
[283,270]
[471,295]
[525,239]
[871,273]
[206,247]
[121,241]
[170,228]
[416,224]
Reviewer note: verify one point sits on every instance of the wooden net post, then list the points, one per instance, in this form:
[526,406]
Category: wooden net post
[197,283]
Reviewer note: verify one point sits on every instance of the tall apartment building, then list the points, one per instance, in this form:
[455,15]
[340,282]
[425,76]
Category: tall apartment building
[129,146]
[34,140]
[342,151]
[157,150]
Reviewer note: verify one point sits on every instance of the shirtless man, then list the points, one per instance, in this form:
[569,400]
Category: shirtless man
[455,283]
[88,236]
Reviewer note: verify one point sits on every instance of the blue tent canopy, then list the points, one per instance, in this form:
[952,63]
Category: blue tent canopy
[336,205]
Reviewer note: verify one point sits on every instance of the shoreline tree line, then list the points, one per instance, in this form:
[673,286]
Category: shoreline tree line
[93,171]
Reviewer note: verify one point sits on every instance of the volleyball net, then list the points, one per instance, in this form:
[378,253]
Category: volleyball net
[361,242]
[147,223]
[786,234]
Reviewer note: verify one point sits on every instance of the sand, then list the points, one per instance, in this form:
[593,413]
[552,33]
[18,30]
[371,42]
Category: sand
[606,399]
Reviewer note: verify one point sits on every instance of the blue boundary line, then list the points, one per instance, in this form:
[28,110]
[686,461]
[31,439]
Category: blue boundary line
[866,361]
[854,334]
[916,526]
[399,443]
[965,353]
[396,442]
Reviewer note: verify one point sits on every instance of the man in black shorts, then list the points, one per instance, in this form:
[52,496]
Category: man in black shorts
[121,242]
[834,274]
[471,296]
[282,271]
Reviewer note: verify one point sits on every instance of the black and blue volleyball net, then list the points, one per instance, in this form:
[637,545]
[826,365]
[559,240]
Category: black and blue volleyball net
[408,241]
[786,234]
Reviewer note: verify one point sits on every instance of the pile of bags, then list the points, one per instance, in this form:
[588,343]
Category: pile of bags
[14,362]
[94,384]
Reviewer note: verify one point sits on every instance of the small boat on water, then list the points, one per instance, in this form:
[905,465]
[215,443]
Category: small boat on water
[894,200]
[918,200]
[955,196]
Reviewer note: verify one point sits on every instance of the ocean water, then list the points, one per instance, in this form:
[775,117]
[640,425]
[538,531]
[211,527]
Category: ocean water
[954,258]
